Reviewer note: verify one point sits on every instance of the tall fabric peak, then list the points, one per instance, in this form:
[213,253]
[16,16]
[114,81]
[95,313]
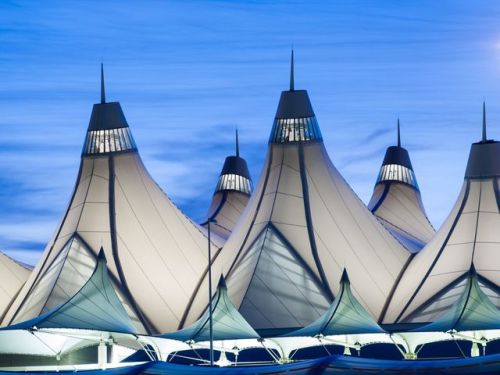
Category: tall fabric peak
[295,120]
[231,195]
[108,130]
[484,156]
[396,199]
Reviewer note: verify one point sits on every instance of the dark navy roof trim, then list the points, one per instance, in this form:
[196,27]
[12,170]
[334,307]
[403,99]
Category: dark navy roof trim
[235,165]
[484,160]
[294,104]
[397,155]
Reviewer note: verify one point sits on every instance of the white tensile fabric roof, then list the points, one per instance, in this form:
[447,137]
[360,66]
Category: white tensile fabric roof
[231,195]
[12,277]
[396,199]
[226,209]
[302,226]
[435,278]
[397,203]
[401,211]
[156,255]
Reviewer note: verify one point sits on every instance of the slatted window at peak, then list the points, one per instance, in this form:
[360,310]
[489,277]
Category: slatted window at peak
[295,130]
[234,182]
[399,173]
[109,140]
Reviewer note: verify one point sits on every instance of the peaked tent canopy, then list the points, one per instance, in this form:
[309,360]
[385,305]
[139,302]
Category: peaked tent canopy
[473,311]
[435,278]
[307,223]
[396,200]
[231,195]
[344,316]
[12,277]
[228,324]
[94,307]
[155,253]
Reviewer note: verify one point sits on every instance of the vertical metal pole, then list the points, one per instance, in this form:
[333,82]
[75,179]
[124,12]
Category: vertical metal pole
[210,297]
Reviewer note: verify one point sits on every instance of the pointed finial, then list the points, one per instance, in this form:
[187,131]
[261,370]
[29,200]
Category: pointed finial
[484,123]
[472,270]
[399,135]
[101,256]
[103,93]
[237,144]
[292,78]
[222,282]
[344,278]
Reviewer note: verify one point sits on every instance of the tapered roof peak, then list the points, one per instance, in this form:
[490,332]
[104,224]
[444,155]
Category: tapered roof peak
[396,166]
[294,103]
[484,156]
[235,175]
[106,115]
[397,154]
[108,129]
[222,283]
[345,277]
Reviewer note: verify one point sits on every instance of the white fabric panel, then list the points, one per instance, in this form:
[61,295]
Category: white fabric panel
[266,209]
[61,236]
[440,305]
[163,255]
[474,238]
[37,298]
[65,276]
[12,277]
[77,269]
[301,241]
[288,210]
[419,265]
[403,210]
[346,234]
[488,228]
[488,197]
[240,231]
[353,236]
[228,212]
[280,288]
[158,246]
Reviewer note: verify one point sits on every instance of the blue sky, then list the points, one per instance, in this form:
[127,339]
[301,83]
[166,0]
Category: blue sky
[188,72]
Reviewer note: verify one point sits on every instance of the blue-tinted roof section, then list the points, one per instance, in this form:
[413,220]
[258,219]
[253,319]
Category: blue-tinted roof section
[95,306]
[344,316]
[228,323]
[473,311]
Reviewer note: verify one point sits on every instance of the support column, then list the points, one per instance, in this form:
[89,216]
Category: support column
[102,354]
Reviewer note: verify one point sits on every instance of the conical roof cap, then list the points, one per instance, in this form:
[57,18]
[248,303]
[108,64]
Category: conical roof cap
[294,103]
[484,156]
[397,154]
[106,115]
